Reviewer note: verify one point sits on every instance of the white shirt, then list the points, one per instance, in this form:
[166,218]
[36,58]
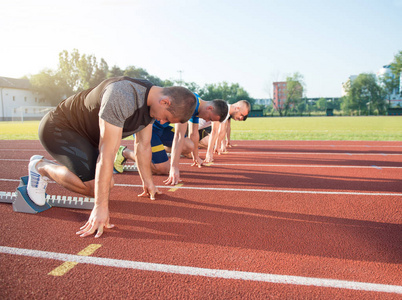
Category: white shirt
[203,124]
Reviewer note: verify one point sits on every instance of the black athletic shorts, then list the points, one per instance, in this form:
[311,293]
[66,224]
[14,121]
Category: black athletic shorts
[204,132]
[68,148]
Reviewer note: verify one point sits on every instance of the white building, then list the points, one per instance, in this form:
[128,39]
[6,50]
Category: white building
[18,101]
[263,101]
[351,79]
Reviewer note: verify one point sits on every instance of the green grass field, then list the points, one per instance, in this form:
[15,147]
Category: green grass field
[381,128]
[375,128]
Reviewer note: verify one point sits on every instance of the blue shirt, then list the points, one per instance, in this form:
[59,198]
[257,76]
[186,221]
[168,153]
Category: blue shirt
[194,118]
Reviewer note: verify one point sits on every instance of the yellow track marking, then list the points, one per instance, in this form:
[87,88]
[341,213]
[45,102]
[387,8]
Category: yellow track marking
[89,250]
[176,187]
[68,265]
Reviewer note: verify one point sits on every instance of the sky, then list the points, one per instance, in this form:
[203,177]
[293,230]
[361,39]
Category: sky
[249,42]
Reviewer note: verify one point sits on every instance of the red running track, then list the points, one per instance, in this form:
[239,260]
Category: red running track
[270,219]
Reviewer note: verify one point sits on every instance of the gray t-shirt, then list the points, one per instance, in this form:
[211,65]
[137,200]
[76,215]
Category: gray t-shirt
[121,101]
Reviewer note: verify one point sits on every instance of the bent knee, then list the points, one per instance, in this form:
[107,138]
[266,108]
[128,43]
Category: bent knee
[89,188]
[188,146]
[161,169]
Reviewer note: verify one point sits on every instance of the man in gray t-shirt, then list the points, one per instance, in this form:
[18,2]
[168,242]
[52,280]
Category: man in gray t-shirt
[84,132]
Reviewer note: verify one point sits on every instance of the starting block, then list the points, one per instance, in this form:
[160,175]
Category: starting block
[22,203]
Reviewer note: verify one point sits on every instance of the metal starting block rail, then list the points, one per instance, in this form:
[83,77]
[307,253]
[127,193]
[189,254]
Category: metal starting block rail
[127,168]
[22,203]
[130,168]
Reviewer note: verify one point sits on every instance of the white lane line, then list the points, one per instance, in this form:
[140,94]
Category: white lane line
[19,150]
[312,153]
[14,180]
[319,145]
[214,273]
[20,159]
[14,159]
[300,166]
[266,152]
[250,190]
[265,143]
[270,165]
[267,190]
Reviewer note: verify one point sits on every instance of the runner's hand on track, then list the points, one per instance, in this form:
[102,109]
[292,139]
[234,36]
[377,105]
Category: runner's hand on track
[150,192]
[209,158]
[218,151]
[98,220]
[197,162]
[174,176]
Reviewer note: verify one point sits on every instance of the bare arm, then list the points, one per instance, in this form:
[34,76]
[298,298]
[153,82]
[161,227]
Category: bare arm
[228,141]
[177,146]
[143,156]
[221,136]
[211,142]
[110,137]
[195,137]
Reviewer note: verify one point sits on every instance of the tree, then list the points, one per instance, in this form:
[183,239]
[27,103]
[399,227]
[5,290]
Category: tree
[141,73]
[301,107]
[396,67]
[79,72]
[134,72]
[389,84]
[168,82]
[47,84]
[364,95]
[75,73]
[390,78]
[321,104]
[115,71]
[294,92]
[231,93]
[100,73]
[192,86]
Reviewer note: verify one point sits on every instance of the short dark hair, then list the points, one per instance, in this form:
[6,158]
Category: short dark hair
[248,105]
[183,102]
[221,109]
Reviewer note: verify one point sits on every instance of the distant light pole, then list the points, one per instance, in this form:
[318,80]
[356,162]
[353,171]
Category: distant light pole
[180,81]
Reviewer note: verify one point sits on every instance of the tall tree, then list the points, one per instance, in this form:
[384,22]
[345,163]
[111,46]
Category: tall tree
[321,104]
[294,92]
[364,95]
[68,71]
[231,93]
[396,67]
[115,71]
[134,72]
[48,85]
[141,73]
[100,73]
[192,86]
[80,72]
